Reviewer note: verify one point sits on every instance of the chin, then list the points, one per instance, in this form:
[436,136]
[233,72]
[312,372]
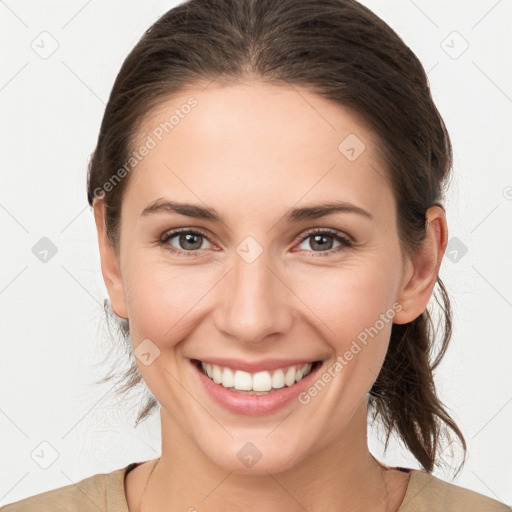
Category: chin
[255,458]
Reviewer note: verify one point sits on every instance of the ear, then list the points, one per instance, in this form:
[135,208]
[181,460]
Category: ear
[109,263]
[422,270]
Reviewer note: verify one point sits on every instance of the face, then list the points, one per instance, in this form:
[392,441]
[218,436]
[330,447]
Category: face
[267,280]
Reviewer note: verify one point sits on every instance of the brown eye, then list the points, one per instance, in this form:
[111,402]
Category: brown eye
[184,241]
[323,240]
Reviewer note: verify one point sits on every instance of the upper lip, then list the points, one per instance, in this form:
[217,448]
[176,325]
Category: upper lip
[255,366]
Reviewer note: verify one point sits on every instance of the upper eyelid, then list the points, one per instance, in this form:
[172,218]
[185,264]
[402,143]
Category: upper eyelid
[177,231]
[168,235]
[331,231]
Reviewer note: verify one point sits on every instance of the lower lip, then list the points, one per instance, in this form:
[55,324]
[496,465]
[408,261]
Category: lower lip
[254,405]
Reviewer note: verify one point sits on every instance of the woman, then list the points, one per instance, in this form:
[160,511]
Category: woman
[267,190]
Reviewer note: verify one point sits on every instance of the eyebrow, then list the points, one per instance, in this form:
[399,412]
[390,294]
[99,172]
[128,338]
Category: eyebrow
[293,215]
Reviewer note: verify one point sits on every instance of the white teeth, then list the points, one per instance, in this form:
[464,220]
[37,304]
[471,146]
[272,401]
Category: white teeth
[289,377]
[217,374]
[278,379]
[227,378]
[260,381]
[242,381]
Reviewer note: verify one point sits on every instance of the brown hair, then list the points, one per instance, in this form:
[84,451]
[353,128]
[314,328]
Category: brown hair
[338,49]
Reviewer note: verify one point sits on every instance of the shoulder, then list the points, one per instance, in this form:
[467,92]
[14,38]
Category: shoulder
[103,491]
[427,493]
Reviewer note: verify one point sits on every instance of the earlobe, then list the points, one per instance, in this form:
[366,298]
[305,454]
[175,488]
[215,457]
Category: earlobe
[109,263]
[420,279]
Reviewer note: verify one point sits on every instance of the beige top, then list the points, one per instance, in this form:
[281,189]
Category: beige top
[105,492]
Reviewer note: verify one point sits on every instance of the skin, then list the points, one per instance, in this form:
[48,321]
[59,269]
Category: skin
[253,151]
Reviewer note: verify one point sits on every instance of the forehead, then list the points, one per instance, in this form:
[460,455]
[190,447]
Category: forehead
[267,143]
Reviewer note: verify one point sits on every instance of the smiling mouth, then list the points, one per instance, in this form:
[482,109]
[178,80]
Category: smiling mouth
[258,383]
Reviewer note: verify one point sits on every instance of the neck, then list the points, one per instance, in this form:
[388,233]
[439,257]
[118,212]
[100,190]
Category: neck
[342,475]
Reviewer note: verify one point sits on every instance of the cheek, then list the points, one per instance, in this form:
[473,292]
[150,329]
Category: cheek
[355,313]
[165,301]
[348,300]
[162,299]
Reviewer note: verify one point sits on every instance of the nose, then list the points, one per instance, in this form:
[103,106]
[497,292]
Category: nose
[255,302]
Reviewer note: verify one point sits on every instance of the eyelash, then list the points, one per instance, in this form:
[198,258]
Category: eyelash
[338,236]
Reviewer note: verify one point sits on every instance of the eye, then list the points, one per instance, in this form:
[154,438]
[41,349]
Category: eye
[188,241]
[323,239]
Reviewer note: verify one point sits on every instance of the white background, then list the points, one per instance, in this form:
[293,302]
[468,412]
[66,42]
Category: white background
[51,314]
